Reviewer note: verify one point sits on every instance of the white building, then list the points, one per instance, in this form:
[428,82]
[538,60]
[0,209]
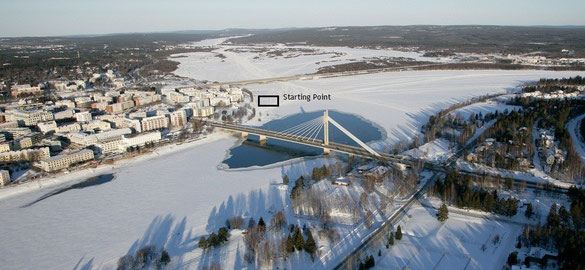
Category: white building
[154,122]
[4,178]
[83,139]
[178,118]
[178,97]
[83,116]
[25,89]
[4,147]
[96,124]
[69,128]
[109,146]
[132,123]
[29,118]
[64,161]
[119,107]
[25,155]
[139,140]
[65,103]
[203,112]
[47,126]
[64,114]
[215,101]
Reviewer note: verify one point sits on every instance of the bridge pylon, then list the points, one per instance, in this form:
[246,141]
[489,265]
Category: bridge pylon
[326,132]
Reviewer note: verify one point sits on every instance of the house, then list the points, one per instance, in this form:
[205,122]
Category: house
[341,181]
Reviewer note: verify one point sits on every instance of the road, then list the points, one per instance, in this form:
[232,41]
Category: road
[380,233]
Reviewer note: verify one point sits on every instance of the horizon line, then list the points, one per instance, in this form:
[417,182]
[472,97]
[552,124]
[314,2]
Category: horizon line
[90,35]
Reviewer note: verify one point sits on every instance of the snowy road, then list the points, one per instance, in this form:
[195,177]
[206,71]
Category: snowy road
[574,128]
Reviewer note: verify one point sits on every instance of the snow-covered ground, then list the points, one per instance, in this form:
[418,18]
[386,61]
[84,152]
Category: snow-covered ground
[455,244]
[173,199]
[490,106]
[167,201]
[400,102]
[436,150]
[234,63]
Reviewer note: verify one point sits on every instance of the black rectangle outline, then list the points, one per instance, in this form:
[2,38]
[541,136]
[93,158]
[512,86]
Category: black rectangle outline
[269,96]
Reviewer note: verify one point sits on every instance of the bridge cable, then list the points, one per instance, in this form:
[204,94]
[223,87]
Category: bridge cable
[312,132]
[300,130]
[308,130]
[295,128]
[317,134]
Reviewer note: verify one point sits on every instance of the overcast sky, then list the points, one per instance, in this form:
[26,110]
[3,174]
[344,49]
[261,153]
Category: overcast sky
[71,17]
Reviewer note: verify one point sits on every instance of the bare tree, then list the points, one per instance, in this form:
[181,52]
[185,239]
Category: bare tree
[278,220]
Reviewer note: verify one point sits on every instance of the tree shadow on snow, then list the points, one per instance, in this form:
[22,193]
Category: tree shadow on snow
[168,233]
[257,203]
[84,266]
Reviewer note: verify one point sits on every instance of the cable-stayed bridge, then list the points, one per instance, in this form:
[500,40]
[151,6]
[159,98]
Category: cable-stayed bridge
[307,133]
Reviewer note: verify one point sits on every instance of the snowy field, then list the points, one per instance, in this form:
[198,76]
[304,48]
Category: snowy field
[234,63]
[490,106]
[399,102]
[455,244]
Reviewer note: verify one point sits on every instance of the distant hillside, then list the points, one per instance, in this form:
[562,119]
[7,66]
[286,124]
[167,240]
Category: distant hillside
[481,39]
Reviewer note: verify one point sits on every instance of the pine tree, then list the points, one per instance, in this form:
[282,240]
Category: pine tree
[299,241]
[261,225]
[223,234]
[398,233]
[553,219]
[165,258]
[529,211]
[443,213]
[391,239]
[203,242]
[379,253]
[290,245]
[310,245]
[370,262]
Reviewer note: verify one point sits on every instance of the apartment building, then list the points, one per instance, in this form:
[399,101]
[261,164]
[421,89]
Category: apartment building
[4,178]
[178,118]
[29,118]
[139,140]
[83,139]
[83,116]
[119,107]
[47,126]
[178,97]
[64,161]
[203,112]
[65,103]
[146,99]
[154,122]
[69,128]
[63,114]
[4,147]
[25,155]
[109,146]
[96,124]
[20,89]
